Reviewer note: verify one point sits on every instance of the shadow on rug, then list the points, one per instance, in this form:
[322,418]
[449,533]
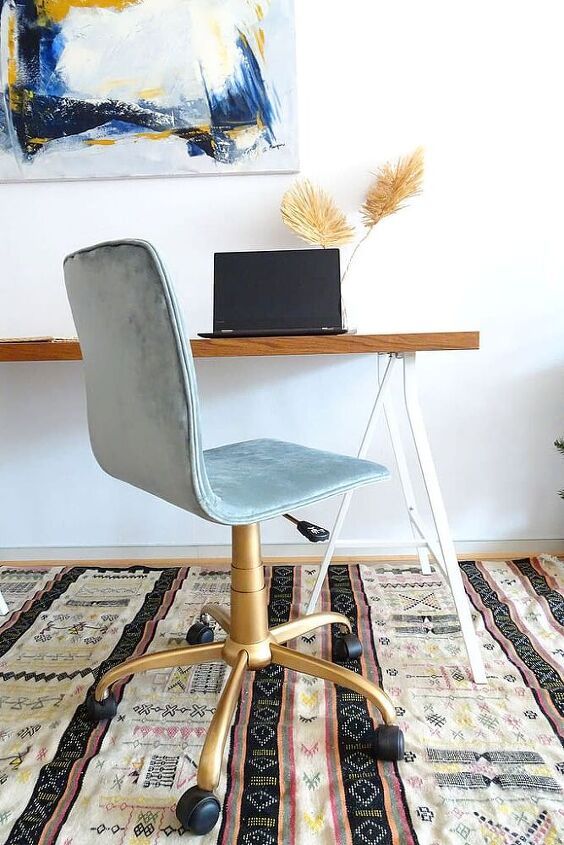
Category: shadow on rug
[483,764]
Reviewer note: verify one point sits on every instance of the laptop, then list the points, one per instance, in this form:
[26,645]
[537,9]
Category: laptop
[285,292]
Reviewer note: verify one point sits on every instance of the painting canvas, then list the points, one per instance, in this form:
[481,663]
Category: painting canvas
[117,88]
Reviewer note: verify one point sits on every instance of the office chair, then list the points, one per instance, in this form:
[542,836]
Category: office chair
[143,418]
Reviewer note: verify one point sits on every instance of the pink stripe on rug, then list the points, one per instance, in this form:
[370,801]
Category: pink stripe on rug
[389,773]
[551,582]
[286,739]
[336,786]
[550,579]
[236,767]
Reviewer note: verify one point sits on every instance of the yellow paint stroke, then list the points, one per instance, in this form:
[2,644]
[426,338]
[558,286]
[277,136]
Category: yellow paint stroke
[167,133]
[111,84]
[150,93]
[260,41]
[149,136]
[56,10]
[244,136]
[222,51]
[38,140]
[12,66]
[260,7]
[14,95]
[155,136]
[239,133]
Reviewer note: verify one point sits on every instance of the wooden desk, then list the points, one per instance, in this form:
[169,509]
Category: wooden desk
[392,349]
[69,350]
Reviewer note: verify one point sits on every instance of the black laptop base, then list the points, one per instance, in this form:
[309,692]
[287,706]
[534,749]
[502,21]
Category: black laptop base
[272,333]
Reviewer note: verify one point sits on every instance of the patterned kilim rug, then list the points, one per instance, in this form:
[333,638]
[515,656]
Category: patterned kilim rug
[483,765]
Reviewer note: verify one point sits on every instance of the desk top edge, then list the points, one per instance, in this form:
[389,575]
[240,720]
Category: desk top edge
[345,344]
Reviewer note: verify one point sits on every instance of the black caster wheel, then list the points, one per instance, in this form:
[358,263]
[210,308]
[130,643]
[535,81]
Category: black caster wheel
[199,633]
[99,711]
[348,647]
[198,811]
[389,743]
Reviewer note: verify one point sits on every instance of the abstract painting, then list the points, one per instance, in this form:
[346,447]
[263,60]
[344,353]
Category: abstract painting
[118,88]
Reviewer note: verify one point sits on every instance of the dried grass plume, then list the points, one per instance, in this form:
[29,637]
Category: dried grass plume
[395,183]
[314,216]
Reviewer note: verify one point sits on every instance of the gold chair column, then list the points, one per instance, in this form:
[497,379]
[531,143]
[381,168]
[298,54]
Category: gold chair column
[249,613]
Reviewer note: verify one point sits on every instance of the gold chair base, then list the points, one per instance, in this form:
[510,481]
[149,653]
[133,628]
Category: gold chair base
[250,645]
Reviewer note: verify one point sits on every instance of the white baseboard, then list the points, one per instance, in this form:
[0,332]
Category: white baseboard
[474,548]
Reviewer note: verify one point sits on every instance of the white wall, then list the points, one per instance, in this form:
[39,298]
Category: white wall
[480,85]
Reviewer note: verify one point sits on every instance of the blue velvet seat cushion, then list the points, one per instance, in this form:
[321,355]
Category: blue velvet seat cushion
[260,479]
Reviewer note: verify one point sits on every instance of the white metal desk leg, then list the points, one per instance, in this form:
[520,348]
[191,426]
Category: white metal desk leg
[405,478]
[446,544]
[345,504]
[406,485]
[3,606]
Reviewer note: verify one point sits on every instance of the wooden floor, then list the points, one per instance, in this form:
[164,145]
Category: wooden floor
[223,563]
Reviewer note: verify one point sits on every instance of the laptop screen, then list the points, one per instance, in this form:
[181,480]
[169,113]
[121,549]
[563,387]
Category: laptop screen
[282,290]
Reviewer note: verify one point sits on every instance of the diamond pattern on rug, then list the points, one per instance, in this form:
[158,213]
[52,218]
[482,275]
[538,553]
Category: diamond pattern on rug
[483,764]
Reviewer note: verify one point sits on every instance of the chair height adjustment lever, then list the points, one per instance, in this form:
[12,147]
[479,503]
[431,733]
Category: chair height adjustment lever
[311,532]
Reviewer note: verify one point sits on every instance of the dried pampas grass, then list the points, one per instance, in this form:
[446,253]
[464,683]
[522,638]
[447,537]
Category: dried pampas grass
[314,216]
[395,183]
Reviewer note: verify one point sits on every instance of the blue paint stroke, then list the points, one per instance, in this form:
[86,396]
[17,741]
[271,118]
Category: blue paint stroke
[5,143]
[52,118]
[50,49]
[244,100]
[194,150]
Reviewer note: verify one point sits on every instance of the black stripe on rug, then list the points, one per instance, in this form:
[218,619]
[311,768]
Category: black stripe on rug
[59,586]
[53,777]
[547,677]
[540,585]
[260,803]
[364,794]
